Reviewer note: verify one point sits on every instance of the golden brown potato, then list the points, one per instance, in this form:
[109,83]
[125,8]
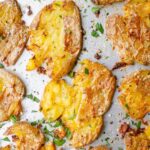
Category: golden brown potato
[5,148]
[56,38]
[130,34]
[11,93]
[135,94]
[81,105]
[26,136]
[49,146]
[105,2]
[99,148]
[13,32]
[140,141]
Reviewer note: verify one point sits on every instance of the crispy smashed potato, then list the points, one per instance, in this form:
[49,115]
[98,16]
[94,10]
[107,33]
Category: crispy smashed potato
[140,141]
[26,136]
[81,105]
[105,2]
[5,148]
[135,94]
[49,146]
[57,96]
[130,33]
[56,38]
[11,93]
[13,32]
[100,148]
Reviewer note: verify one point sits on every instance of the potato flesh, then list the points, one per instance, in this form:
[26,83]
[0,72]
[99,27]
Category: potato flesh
[135,97]
[48,40]
[85,125]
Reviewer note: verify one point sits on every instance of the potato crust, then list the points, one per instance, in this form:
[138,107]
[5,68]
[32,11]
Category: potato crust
[5,148]
[100,147]
[13,32]
[105,2]
[135,94]
[140,141]
[91,90]
[56,40]
[11,93]
[130,34]
[26,137]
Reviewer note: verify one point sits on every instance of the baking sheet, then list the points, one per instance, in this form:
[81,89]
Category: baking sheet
[35,82]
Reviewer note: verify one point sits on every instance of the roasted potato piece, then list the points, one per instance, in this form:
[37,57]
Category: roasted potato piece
[26,136]
[49,146]
[5,148]
[140,141]
[11,93]
[97,85]
[13,32]
[57,96]
[101,147]
[130,33]
[56,38]
[135,94]
[105,2]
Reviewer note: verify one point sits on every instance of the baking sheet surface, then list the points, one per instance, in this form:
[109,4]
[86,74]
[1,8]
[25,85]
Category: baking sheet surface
[35,82]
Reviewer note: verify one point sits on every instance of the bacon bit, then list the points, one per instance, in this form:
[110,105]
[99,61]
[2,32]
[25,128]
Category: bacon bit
[119,65]
[97,56]
[124,129]
[29,13]
[15,138]
[60,133]
[41,70]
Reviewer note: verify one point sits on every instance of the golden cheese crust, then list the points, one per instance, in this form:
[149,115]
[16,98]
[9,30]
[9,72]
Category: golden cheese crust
[11,93]
[138,141]
[130,34]
[56,40]
[13,32]
[105,2]
[27,137]
[135,94]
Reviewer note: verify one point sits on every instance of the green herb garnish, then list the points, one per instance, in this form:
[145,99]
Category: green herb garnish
[86,71]
[1,65]
[6,139]
[95,9]
[68,133]
[71,74]
[32,97]
[13,118]
[95,33]
[59,142]
[99,28]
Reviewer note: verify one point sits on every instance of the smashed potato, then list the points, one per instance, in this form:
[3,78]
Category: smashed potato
[26,136]
[11,93]
[140,141]
[135,94]
[6,148]
[13,32]
[56,38]
[105,2]
[49,146]
[81,105]
[130,33]
[57,96]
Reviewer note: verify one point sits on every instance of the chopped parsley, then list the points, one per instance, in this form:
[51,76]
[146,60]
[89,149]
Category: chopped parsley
[57,123]
[95,33]
[59,142]
[95,9]
[99,28]
[1,65]
[6,139]
[86,71]
[68,133]
[32,97]
[13,118]
[71,74]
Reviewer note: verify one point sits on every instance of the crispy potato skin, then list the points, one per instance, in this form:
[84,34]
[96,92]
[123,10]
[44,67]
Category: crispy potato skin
[13,32]
[135,94]
[130,34]
[101,147]
[27,137]
[105,2]
[92,91]
[11,93]
[139,141]
[5,148]
[56,40]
